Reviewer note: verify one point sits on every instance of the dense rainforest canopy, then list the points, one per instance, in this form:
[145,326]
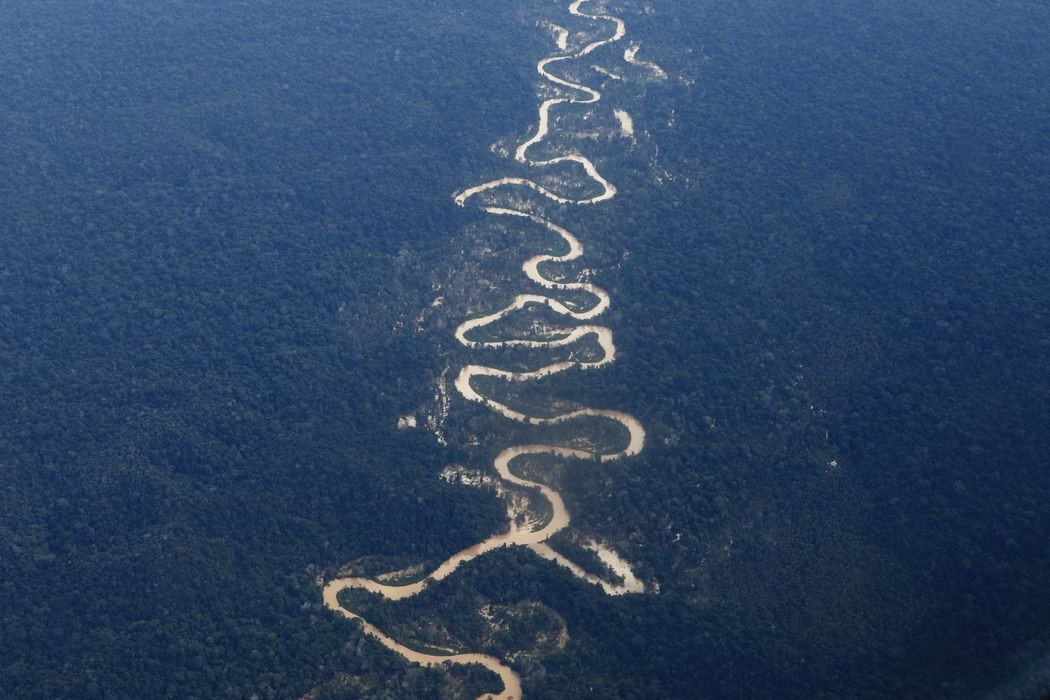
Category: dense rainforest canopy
[222,229]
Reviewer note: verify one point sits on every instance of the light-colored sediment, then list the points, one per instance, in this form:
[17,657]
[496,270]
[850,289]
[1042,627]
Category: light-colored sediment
[612,561]
[626,123]
[525,531]
[630,55]
[561,35]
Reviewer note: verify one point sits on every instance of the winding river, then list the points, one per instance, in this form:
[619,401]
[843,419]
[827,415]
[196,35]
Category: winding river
[533,535]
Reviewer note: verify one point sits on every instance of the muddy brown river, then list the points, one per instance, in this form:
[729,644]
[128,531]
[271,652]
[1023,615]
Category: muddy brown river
[531,534]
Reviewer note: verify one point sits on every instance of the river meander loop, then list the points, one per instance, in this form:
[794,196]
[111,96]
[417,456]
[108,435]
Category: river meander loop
[579,317]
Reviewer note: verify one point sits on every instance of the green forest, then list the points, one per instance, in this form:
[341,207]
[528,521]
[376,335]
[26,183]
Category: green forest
[222,230]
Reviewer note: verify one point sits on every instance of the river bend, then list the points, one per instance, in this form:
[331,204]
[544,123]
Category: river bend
[531,534]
